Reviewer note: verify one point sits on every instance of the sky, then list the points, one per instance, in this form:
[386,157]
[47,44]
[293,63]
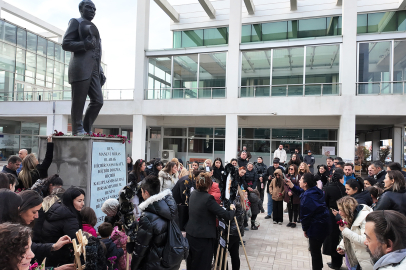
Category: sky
[116,23]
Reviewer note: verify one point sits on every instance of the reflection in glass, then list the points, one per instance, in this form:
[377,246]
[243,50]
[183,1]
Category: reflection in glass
[51,49]
[59,53]
[31,67]
[9,145]
[7,57]
[6,85]
[288,66]
[255,71]
[58,73]
[246,33]
[50,71]
[185,76]
[274,31]
[21,38]
[382,22]
[200,132]
[256,33]
[220,133]
[159,77]
[177,39]
[174,131]
[215,36]
[362,23]
[320,134]
[200,146]
[42,46]
[41,68]
[287,134]
[20,64]
[399,68]
[32,42]
[212,73]
[322,66]
[8,32]
[256,133]
[192,38]
[312,28]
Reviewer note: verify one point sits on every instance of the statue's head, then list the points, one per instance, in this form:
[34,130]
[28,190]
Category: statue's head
[87,9]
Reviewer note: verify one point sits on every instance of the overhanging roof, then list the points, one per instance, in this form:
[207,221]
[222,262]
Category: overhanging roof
[250,7]
[208,7]
[168,9]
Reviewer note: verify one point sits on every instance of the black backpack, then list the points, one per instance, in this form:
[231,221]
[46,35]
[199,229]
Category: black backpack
[176,248]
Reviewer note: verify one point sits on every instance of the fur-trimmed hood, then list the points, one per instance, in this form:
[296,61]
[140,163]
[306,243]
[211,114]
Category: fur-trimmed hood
[161,204]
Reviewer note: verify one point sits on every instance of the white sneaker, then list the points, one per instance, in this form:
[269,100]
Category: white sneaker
[280,223]
[275,222]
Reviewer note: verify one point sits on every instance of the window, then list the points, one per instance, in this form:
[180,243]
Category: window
[274,31]
[41,68]
[51,49]
[21,38]
[6,85]
[399,68]
[8,32]
[212,75]
[32,42]
[256,33]
[7,57]
[59,53]
[246,33]
[31,61]
[42,46]
[381,22]
[20,64]
[215,36]
[185,76]
[177,39]
[320,134]
[192,38]
[256,133]
[312,28]
[287,134]
[255,75]
[159,77]
[200,37]
[174,131]
[200,132]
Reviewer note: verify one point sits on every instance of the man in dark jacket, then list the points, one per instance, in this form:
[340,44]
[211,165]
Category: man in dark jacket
[105,229]
[243,160]
[269,175]
[310,160]
[298,154]
[158,209]
[378,172]
[261,168]
[330,165]
[13,164]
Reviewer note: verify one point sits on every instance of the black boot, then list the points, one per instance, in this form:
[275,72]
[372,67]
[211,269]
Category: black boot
[253,227]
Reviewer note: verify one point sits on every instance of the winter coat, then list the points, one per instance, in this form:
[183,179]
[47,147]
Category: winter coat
[151,237]
[260,168]
[333,192]
[41,170]
[59,221]
[120,239]
[281,154]
[112,251]
[363,197]
[277,192]
[392,261]
[346,178]
[314,214]
[256,203]
[270,172]
[309,160]
[7,170]
[167,180]
[322,177]
[181,190]
[251,178]
[89,228]
[357,237]
[380,177]
[132,177]
[239,215]
[203,210]
[231,171]
[242,162]
[215,192]
[217,173]
[41,250]
[391,200]
[295,198]
[249,156]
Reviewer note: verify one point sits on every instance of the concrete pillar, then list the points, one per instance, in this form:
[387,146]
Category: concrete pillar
[141,44]
[397,144]
[361,141]
[138,139]
[60,123]
[348,61]
[376,143]
[346,137]
[234,40]
[231,136]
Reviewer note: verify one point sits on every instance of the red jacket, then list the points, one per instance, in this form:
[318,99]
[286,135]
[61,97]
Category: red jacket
[88,228]
[215,192]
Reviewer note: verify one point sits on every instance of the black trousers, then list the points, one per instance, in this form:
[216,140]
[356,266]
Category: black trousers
[80,90]
[261,190]
[234,251]
[277,211]
[315,251]
[293,210]
[253,218]
[200,253]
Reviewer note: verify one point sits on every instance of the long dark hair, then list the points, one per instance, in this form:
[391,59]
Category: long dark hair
[54,180]
[137,169]
[67,200]
[30,200]
[221,164]
[357,183]
[9,202]
[337,176]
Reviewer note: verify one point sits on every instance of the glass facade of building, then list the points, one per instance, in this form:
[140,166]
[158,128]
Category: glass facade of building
[295,71]
[16,135]
[381,22]
[200,37]
[31,65]
[187,76]
[381,67]
[305,28]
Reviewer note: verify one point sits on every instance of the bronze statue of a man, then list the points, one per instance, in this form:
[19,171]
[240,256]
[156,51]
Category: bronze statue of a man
[85,72]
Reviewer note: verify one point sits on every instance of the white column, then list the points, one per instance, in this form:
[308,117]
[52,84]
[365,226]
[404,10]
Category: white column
[234,40]
[60,123]
[231,136]
[141,44]
[397,144]
[138,140]
[348,72]
[376,143]
[346,137]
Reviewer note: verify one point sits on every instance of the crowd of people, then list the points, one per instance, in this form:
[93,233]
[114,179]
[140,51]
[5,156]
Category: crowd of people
[169,212]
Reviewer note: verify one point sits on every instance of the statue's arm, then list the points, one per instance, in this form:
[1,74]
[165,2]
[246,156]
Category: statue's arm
[71,40]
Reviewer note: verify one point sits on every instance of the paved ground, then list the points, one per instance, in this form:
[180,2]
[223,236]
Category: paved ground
[275,246]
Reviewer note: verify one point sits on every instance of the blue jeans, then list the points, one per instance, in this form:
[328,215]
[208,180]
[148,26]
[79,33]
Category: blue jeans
[270,204]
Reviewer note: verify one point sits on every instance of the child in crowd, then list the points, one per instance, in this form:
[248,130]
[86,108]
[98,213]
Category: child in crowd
[89,220]
[120,239]
[113,253]
[256,206]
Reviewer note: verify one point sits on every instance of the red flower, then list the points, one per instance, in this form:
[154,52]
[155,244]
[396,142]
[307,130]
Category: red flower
[35,265]
[341,223]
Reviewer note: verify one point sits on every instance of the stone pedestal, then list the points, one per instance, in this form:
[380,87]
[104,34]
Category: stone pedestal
[97,165]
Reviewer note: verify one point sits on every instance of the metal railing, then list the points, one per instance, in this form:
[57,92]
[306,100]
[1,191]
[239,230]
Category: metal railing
[186,93]
[310,89]
[381,88]
[51,95]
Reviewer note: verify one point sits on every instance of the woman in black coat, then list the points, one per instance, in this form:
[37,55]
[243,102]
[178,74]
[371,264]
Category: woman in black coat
[202,235]
[138,173]
[322,174]
[394,196]
[63,219]
[32,170]
[218,169]
[355,188]
[334,191]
